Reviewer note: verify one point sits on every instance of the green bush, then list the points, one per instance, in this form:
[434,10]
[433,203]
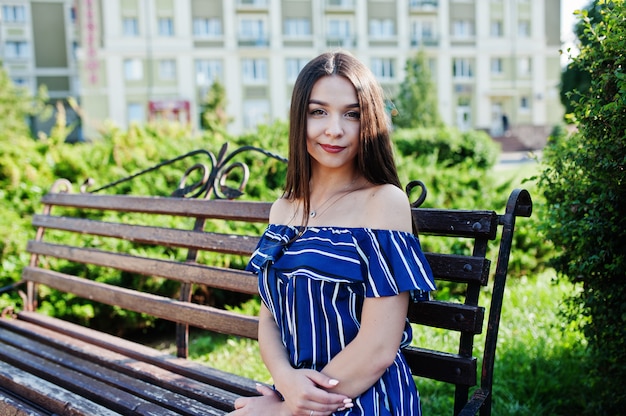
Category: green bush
[449,146]
[584,183]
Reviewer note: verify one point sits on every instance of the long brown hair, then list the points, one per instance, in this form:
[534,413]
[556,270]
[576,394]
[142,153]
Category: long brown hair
[375,156]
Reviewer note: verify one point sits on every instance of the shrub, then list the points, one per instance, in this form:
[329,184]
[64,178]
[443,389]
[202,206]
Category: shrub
[584,183]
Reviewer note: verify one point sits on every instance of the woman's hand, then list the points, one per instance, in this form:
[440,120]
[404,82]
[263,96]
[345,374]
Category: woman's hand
[268,404]
[306,392]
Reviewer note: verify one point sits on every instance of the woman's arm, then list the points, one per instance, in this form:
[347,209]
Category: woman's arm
[365,359]
[303,390]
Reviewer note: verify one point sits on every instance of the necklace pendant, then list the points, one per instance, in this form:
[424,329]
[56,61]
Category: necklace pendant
[312,214]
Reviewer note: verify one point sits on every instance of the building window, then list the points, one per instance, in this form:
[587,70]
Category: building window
[339,33]
[208,71]
[462,29]
[496,30]
[524,66]
[255,112]
[166,26]
[462,68]
[16,49]
[167,69]
[297,27]
[383,68]
[523,29]
[14,14]
[252,32]
[207,26]
[254,71]
[382,28]
[423,32]
[135,113]
[524,104]
[294,66]
[130,26]
[133,69]
[496,66]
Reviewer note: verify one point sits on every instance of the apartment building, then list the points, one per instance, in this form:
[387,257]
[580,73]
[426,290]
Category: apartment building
[495,62]
[38,40]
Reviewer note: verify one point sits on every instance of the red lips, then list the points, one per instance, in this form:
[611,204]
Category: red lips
[331,149]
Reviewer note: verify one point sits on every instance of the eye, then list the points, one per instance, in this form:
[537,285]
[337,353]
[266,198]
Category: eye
[354,115]
[317,112]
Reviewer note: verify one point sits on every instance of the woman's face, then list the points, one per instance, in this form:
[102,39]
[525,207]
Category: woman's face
[333,122]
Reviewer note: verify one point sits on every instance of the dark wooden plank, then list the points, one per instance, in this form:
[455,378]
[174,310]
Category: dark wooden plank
[448,315]
[222,243]
[12,405]
[186,368]
[182,312]
[82,384]
[140,379]
[442,366]
[457,223]
[461,269]
[221,278]
[48,395]
[249,211]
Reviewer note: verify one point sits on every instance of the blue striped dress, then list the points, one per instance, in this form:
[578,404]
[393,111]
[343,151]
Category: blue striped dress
[315,285]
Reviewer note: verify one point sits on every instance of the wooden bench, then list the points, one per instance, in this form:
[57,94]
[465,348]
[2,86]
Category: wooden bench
[50,366]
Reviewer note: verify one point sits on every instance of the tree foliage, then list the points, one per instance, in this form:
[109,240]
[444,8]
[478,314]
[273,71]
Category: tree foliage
[574,80]
[16,105]
[585,188]
[417,99]
[214,117]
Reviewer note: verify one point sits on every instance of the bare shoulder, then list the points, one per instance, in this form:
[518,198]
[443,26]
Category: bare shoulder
[282,211]
[388,207]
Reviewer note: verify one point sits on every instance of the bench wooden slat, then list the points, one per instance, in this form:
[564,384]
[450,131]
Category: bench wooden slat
[458,268]
[13,405]
[249,211]
[185,368]
[53,398]
[442,366]
[81,384]
[222,278]
[192,314]
[457,223]
[448,315]
[139,379]
[221,243]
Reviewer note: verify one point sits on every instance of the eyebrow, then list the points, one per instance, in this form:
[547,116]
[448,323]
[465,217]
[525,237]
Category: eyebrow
[318,102]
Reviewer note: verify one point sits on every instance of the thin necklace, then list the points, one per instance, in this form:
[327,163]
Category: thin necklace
[315,212]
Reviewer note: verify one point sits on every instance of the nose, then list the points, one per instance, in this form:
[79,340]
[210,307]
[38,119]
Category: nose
[335,127]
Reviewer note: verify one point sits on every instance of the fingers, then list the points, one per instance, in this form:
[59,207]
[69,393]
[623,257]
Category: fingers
[265,390]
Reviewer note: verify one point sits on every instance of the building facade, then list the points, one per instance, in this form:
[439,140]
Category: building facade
[495,63]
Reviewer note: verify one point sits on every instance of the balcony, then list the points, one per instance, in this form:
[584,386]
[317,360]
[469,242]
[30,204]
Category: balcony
[423,5]
[426,42]
[254,42]
[346,42]
[339,5]
[252,4]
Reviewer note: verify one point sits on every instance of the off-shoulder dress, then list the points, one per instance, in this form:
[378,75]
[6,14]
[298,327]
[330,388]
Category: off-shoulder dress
[314,284]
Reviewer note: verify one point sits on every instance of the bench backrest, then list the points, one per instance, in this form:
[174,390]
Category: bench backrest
[80,230]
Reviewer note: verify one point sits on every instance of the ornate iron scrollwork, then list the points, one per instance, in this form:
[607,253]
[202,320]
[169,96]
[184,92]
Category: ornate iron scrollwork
[213,180]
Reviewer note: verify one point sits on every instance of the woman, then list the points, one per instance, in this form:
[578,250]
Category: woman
[338,262]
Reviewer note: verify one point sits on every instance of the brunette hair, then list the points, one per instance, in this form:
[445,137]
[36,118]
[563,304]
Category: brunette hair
[375,156]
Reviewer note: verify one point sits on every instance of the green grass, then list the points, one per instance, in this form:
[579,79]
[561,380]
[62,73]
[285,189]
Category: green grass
[539,364]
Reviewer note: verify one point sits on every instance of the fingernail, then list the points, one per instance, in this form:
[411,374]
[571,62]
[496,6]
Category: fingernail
[333,382]
[348,400]
[348,405]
